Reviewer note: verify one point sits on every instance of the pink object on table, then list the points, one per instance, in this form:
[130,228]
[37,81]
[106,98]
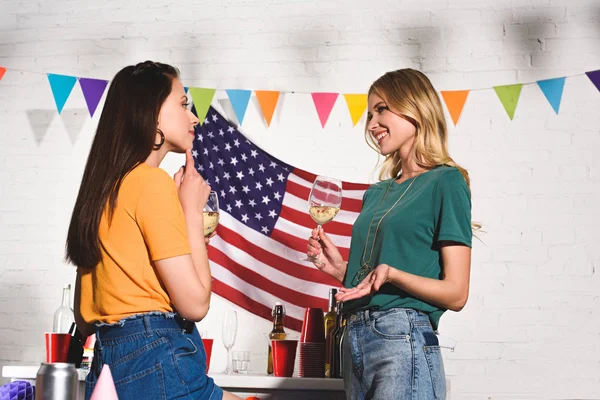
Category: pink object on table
[105,387]
[90,342]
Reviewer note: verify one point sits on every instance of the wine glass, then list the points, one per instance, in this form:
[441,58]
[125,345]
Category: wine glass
[229,331]
[211,214]
[324,202]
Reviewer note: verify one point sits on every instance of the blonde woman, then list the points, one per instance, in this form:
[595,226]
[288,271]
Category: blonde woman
[410,253]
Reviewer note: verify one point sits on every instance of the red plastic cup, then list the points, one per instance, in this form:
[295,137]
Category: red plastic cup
[208,344]
[284,357]
[313,326]
[57,347]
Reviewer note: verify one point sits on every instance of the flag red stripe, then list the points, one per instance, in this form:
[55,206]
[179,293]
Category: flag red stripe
[303,192]
[337,228]
[260,282]
[279,263]
[307,176]
[239,298]
[298,244]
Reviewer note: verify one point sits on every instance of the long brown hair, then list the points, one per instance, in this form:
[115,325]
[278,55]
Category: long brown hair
[124,138]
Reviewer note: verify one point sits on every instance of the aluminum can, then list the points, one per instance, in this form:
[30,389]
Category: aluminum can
[56,381]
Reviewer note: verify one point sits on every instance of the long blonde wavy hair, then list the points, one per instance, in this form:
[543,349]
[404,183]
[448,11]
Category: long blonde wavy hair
[409,93]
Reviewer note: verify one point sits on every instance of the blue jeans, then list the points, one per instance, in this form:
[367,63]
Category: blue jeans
[153,356]
[392,355]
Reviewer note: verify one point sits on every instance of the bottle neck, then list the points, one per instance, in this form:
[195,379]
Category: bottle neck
[278,323]
[332,308]
[66,299]
[332,301]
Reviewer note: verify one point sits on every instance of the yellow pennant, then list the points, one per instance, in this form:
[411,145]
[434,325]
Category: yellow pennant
[357,103]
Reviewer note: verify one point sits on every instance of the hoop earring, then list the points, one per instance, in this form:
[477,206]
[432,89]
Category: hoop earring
[162,140]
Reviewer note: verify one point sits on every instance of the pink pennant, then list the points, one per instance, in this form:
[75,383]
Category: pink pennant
[105,387]
[324,104]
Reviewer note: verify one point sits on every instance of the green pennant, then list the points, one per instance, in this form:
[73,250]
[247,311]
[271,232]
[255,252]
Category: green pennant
[509,97]
[202,98]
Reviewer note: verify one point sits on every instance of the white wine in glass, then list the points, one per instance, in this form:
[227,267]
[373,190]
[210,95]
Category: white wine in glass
[324,202]
[323,214]
[211,214]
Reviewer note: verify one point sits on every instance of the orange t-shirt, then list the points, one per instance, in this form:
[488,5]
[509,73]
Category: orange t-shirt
[147,225]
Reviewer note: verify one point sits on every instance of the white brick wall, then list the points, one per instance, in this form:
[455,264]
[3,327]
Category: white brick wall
[530,329]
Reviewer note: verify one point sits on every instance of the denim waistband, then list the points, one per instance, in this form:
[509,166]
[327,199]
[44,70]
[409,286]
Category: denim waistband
[366,316]
[143,323]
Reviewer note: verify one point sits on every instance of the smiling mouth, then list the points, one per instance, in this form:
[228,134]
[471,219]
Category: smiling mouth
[380,136]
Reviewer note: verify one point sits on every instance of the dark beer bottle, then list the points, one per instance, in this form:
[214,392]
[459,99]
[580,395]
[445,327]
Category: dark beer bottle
[276,333]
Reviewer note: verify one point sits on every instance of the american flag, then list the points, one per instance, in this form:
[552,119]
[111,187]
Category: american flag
[256,256]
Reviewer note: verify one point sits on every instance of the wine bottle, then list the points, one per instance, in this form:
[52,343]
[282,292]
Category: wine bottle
[329,318]
[64,317]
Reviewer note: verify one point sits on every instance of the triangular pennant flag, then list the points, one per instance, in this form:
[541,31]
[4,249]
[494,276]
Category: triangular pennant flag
[553,90]
[202,98]
[92,89]
[594,77]
[74,119]
[268,101]
[509,97]
[61,86]
[357,103]
[105,386]
[40,121]
[239,101]
[324,104]
[2,71]
[455,101]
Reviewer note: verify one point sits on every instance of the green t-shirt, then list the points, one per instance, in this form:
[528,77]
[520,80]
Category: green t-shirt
[437,207]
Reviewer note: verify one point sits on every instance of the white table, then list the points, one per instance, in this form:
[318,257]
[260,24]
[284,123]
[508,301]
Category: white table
[266,387]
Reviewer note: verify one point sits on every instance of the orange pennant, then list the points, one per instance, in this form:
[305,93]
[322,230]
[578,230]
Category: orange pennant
[2,71]
[455,101]
[268,101]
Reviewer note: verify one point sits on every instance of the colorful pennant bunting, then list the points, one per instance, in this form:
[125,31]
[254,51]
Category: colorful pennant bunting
[553,90]
[239,101]
[357,103]
[268,101]
[61,86]
[92,89]
[324,104]
[509,97]
[455,101]
[594,77]
[202,98]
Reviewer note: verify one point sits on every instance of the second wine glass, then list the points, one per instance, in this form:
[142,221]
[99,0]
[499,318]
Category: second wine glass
[211,214]
[229,332]
[324,202]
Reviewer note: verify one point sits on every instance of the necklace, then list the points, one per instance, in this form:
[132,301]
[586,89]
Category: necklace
[366,267]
